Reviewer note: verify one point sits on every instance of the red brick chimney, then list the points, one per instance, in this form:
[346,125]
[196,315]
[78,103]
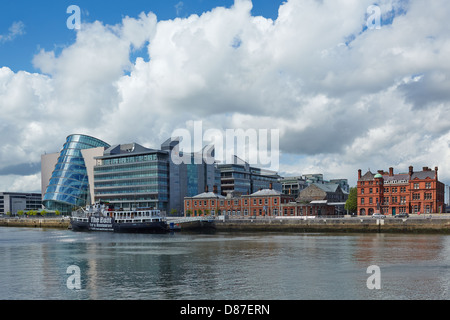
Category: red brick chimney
[359,174]
[411,170]
[391,172]
[435,173]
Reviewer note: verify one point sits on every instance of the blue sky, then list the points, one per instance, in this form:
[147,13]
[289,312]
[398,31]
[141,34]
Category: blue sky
[43,23]
[342,95]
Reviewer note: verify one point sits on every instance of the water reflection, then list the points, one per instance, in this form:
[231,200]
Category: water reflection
[222,266]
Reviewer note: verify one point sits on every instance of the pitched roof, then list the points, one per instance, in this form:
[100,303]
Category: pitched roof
[327,187]
[367,177]
[209,195]
[266,192]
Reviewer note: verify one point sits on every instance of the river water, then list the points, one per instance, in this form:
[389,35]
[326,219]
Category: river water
[46,264]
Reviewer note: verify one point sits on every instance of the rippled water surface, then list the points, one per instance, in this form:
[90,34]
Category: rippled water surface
[34,263]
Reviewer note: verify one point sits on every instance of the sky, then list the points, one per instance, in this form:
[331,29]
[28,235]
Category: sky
[347,84]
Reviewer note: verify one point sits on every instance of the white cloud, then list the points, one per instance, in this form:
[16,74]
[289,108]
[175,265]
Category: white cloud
[16,29]
[344,98]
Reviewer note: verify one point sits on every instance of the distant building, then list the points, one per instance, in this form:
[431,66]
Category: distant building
[13,202]
[293,185]
[321,199]
[241,177]
[391,194]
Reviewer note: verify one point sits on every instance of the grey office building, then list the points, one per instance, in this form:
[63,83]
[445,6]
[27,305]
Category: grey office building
[242,178]
[132,176]
[12,202]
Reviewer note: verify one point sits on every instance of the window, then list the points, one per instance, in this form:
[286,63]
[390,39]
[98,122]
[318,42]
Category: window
[428,196]
[427,185]
[416,196]
[362,190]
[416,186]
[403,200]
[362,200]
[370,190]
[266,201]
[370,200]
[275,201]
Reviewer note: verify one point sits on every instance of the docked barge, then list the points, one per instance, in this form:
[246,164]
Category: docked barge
[101,217]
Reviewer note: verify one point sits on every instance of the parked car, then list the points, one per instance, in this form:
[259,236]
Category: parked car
[378,216]
[402,215]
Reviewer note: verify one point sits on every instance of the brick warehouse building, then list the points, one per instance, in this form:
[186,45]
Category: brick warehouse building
[265,202]
[391,194]
[312,201]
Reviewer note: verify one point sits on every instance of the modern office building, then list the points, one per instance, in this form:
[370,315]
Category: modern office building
[293,185]
[192,176]
[132,176]
[13,202]
[245,179]
[71,182]
[391,194]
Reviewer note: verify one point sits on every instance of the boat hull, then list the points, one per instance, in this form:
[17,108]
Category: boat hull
[110,225]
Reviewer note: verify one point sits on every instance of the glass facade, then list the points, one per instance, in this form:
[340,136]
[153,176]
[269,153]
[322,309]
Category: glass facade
[127,180]
[69,185]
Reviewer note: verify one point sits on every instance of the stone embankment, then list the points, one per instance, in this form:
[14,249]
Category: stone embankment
[414,224]
[423,224]
[59,223]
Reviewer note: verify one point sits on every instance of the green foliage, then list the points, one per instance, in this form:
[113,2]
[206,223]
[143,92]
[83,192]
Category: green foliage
[351,205]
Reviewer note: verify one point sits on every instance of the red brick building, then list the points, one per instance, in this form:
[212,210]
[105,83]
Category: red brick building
[315,200]
[391,194]
[266,202]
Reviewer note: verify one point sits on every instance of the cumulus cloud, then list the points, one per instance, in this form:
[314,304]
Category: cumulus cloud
[343,96]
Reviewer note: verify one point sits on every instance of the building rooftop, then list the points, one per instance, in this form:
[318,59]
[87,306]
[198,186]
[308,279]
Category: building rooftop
[205,195]
[266,192]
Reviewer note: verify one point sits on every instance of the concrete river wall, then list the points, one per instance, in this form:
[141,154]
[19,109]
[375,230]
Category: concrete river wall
[422,224]
[354,224]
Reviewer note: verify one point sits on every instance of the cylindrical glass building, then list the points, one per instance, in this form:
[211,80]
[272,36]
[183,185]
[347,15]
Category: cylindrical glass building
[69,185]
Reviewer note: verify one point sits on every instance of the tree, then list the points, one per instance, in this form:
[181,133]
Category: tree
[351,205]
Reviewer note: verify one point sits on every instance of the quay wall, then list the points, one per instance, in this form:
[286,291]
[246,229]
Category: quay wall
[58,223]
[436,224]
[343,225]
